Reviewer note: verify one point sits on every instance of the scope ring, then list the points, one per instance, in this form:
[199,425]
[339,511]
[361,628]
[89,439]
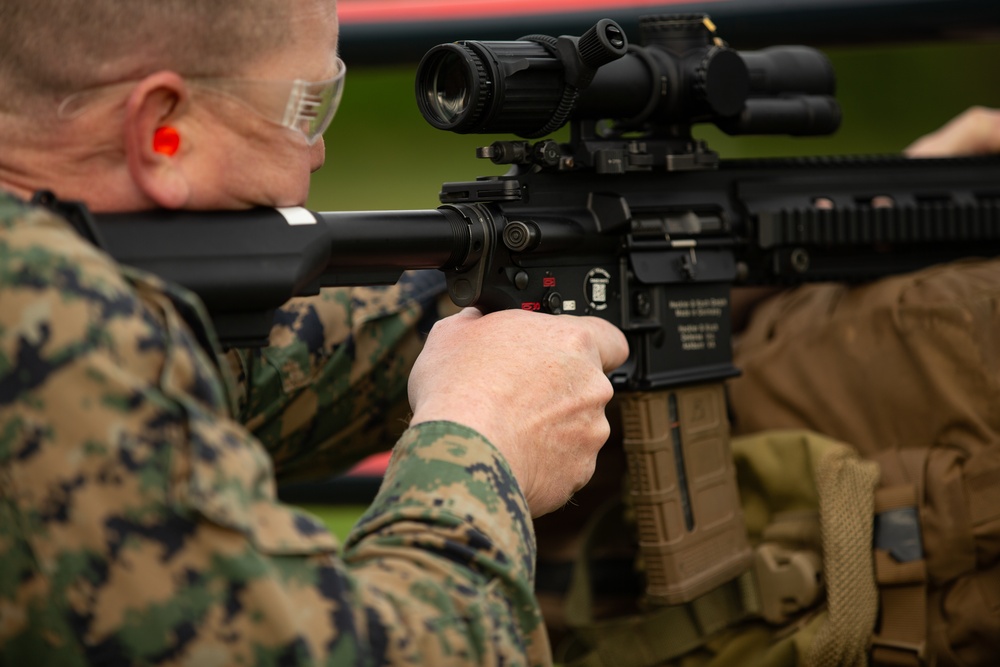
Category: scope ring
[636,121]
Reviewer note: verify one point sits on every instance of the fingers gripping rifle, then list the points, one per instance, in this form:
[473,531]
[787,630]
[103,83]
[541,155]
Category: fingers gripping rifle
[633,221]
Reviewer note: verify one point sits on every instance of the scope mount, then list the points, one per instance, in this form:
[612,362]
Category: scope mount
[606,149]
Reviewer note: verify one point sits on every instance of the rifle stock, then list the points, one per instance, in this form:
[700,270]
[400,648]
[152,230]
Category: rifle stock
[246,264]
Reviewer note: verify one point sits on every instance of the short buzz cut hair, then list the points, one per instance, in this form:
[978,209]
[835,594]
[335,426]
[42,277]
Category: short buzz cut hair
[52,48]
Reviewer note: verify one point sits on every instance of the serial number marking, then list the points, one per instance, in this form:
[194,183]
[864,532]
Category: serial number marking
[701,336]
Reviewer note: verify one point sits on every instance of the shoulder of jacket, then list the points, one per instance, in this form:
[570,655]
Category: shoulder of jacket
[11,208]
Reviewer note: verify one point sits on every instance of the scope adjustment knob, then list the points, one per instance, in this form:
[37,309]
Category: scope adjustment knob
[604,42]
[676,32]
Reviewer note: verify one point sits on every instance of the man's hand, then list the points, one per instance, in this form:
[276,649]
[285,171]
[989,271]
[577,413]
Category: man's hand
[532,384]
[975,132]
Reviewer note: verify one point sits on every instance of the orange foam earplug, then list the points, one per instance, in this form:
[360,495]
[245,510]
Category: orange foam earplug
[166,140]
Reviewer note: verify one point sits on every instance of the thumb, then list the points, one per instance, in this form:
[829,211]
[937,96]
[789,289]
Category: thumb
[469,313]
[612,346]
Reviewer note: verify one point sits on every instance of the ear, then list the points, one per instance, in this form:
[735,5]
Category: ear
[159,99]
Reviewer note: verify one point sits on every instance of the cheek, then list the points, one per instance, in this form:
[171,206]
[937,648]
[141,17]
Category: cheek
[317,154]
[280,173]
[288,180]
[256,163]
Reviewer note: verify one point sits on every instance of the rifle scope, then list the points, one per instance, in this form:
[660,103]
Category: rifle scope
[682,74]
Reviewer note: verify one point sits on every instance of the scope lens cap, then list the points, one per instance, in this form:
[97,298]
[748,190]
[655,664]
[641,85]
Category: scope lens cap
[725,81]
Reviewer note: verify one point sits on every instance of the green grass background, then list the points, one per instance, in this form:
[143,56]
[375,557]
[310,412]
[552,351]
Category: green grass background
[381,154]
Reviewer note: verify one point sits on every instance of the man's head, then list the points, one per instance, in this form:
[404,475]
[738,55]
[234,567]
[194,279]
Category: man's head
[85,85]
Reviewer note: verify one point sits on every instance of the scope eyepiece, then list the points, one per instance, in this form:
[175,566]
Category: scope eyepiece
[517,86]
[452,87]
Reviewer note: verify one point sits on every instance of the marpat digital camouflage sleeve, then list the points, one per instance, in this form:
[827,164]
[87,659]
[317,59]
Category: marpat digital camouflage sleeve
[330,388]
[138,523]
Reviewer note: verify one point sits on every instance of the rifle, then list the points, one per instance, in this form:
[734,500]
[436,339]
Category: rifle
[632,220]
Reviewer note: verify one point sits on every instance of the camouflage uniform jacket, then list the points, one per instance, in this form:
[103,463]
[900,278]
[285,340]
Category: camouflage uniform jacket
[138,520]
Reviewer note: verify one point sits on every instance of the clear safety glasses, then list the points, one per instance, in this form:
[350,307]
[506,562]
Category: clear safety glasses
[306,106]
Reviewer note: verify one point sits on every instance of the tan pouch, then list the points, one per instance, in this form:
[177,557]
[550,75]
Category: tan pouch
[907,363]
